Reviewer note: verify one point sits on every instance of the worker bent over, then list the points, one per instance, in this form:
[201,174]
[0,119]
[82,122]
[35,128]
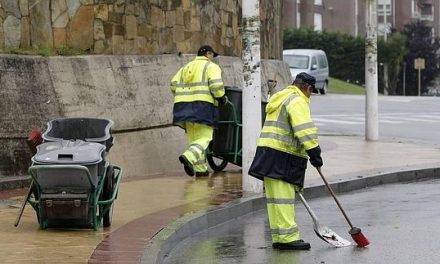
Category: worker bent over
[198,90]
[288,138]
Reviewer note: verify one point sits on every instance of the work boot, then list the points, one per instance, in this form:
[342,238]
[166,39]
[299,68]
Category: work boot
[187,166]
[202,174]
[294,245]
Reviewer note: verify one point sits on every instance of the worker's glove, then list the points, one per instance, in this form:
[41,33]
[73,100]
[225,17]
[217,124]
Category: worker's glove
[315,157]
[222,100]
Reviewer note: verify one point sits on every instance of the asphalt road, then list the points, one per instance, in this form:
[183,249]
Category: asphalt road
[409,119]
[402,222]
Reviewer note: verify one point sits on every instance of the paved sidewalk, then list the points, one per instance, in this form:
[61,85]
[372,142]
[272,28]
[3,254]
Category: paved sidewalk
[147,205]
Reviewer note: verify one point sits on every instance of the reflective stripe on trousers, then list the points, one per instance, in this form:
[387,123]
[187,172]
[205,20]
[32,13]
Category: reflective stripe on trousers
[280,198]
[199,136]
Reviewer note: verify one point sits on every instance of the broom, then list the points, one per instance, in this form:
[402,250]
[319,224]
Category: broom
[355,232]
[34,139]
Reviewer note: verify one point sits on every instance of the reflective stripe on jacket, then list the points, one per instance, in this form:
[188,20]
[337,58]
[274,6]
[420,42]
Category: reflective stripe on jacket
[289,127]
[196,86]
[199,80]
[286,135]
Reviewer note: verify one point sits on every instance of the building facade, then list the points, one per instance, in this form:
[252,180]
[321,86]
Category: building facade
[348,16]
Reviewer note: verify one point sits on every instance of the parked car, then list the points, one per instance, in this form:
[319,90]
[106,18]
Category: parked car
[311,61]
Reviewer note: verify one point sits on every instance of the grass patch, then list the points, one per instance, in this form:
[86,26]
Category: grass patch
[340,87]
[46,52]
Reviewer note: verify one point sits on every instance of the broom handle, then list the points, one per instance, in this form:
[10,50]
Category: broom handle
[334,196]
[23,205]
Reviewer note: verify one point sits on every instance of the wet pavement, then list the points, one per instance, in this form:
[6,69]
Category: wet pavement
[402,222]
[148,204]
[144,206]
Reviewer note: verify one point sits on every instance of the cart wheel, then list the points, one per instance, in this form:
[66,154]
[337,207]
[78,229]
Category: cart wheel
[216,163]
[107,194]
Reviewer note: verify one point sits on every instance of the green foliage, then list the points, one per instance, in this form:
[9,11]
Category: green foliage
[345,53]
[45,52]
[393,52]
[420,44]
[341,87]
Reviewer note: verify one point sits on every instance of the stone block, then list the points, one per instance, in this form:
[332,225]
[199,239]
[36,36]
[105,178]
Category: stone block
[166,43]
[183,46]
[25,40]
[59,37]
[98,47]
[195,23]
[119,6]
[170,19]
[235,26]
[157,17]
[108,29]
[101,12]
[132,8]
[80,30]
[115,17]
[118,44]
[118,30]
[178,33]
[40,20]
[59,13]
[98,30]
[72,6]
[129,46]
[130,27]
[140,45]
[179,17]
[24,7]
[12,8]
[2,35]
[186,4]
[187,19]
[12,32]
[86,2]
[196,40]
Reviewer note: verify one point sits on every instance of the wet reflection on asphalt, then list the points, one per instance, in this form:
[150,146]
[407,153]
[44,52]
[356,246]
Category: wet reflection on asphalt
[402,222]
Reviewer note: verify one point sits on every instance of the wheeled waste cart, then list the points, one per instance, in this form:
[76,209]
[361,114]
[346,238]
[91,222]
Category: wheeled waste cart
[226,146]
[73,184]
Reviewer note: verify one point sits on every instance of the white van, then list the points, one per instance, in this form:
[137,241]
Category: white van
[311,61]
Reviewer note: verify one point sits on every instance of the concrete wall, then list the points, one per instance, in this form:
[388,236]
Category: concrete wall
[131,90]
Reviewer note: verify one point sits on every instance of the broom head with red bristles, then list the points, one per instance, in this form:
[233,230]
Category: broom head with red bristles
[34,139]
[358,237]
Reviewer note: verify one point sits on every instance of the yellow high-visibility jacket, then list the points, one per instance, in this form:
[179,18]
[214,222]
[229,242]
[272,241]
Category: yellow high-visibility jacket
[287,134]
[196,88]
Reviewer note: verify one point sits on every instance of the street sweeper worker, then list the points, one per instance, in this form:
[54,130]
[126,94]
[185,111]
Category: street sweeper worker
[288,139]
[198,91]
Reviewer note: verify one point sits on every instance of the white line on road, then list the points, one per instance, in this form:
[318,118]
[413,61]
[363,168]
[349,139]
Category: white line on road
[336,121]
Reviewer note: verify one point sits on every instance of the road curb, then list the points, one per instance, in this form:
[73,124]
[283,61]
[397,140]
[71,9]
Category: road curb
[168,238]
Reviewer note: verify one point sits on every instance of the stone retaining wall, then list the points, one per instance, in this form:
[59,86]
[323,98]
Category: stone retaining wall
[135,26]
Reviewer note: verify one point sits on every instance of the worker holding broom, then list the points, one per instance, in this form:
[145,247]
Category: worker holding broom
[288,139]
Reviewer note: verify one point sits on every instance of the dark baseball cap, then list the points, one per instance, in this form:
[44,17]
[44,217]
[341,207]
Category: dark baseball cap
[203,49]
[306,78]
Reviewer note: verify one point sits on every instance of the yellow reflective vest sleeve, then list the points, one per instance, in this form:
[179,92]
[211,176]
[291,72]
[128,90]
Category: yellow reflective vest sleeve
[175,81]
[215,81]
[303,127]
[288,126]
